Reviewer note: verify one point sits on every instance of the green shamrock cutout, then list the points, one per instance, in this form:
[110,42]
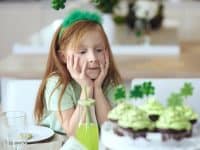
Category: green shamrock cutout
[136,92]
[148,89]
[58,4]
[120,93]
[186,90]
[175,99]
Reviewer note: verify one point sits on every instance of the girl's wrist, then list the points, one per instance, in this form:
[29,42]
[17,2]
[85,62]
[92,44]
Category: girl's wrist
[97,86]
[98,91]
[89,90]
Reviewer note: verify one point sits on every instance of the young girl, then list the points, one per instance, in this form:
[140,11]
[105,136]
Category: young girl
[80,58]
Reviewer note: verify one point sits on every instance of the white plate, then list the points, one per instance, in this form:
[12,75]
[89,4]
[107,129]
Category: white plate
[39,133]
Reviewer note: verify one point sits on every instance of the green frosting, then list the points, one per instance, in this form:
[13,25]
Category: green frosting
[188,112]
[136,119]
[153,107]
[171,118]
[119,110]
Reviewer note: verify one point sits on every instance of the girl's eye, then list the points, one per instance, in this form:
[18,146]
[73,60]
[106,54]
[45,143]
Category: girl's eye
[99,49]
[82,51]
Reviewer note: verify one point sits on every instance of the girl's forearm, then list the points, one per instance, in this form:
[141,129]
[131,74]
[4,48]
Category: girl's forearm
[89,91]
[90,94]
[102,105]
[71,125]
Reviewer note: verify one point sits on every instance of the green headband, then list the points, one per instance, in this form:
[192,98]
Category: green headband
[79,15]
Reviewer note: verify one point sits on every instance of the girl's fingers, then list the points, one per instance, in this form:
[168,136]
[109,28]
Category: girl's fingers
[106,60]
[68,62]
[72,60]
[83,70]
[102,69]
[76,62]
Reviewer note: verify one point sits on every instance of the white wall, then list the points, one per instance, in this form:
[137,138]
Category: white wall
[19,20]
[19,95]
[187,13]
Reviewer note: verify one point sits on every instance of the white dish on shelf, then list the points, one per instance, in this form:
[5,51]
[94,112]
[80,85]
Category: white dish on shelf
[150,50]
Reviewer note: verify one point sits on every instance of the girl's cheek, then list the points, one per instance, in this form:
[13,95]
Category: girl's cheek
[80,64]
[103,60]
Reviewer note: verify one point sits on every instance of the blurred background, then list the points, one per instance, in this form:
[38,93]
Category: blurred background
[21,20]
[157,39]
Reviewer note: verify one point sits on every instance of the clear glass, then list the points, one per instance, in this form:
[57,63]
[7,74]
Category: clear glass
[87,131]
[12,127]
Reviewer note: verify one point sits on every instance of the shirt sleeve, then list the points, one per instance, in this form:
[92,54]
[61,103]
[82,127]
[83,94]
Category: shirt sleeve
[52,99]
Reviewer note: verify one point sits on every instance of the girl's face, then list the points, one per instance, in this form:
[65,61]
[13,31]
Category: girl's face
[91,50]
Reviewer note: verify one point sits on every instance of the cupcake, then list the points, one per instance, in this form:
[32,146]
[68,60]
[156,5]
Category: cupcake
[135,122]
[189,114]
[153,108]
[173,125]
[115,114]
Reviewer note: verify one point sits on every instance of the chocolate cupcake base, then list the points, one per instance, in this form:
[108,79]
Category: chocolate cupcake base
[140,133]
[168,134]
[130,132]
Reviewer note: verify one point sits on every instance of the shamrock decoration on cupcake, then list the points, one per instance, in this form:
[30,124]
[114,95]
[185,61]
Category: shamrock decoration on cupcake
[120,94]
[141,90]
[186,91]
[137,92]
[152,106]
[173,125]
[178,100]
[128,116]
[122,104]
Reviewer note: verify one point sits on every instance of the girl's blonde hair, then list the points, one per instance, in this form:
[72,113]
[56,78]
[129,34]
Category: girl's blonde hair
[55,65]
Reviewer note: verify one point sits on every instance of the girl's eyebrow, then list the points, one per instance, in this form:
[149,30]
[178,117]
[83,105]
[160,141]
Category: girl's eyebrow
[99,45]
[81,46]
[96,45]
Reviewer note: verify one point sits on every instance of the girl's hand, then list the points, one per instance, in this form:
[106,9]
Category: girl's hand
[104,69]
[77,73]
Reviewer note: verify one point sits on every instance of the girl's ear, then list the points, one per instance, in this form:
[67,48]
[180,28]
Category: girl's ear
[61,56]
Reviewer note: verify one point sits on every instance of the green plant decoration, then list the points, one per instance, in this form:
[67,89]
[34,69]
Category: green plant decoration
[186,90]
[175,99]
[148,89]
[105,6]
[58,4]
[120,93]
[136,92]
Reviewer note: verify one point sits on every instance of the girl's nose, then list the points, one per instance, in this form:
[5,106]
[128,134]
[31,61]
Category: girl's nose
[92,57]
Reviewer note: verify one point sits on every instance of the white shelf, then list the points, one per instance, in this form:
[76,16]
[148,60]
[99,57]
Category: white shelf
[159,50]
